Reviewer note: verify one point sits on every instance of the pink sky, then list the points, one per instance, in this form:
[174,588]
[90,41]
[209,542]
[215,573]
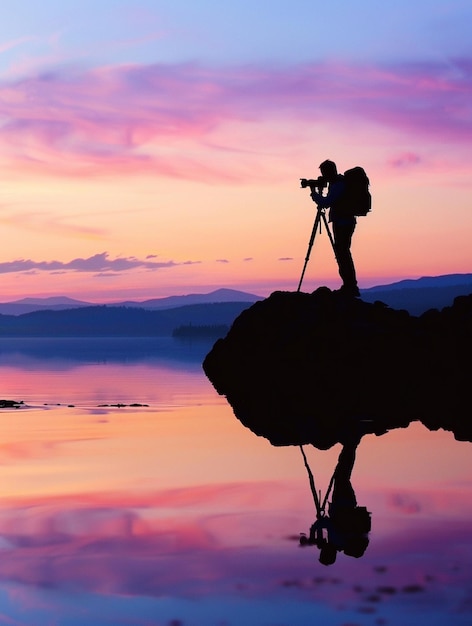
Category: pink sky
[132,175]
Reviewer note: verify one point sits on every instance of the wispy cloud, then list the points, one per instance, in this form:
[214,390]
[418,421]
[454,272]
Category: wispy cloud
[405,160]
[41,221]
[179,120]
[132,543]
[164,119]
[14,43]
[97,264]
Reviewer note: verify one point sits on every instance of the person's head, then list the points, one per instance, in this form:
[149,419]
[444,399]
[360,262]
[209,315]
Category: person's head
[328,554]
[329,170]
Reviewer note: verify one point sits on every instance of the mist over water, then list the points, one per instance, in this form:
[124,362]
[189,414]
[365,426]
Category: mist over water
[171,511]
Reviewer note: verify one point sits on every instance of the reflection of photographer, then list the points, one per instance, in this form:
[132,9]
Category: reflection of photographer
[346,526]
[342,218]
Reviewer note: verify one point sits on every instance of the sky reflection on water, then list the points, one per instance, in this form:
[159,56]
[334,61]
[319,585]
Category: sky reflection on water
[175,513]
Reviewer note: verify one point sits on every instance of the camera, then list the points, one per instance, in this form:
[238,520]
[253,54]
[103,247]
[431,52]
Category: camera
[318,183]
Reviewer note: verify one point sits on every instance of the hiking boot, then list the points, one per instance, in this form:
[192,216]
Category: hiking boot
[350,290]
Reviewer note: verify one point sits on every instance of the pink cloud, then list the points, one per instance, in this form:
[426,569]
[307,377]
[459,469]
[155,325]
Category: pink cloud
[405,503]
[405,159]
[100,262]
[37,221]
[8,45]
[154,119]
[212,541]
[122,543]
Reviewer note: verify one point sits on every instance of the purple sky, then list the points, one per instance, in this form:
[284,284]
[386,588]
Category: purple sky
[153,141]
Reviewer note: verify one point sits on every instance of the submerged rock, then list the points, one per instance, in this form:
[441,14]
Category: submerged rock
[11,404]
[303,368]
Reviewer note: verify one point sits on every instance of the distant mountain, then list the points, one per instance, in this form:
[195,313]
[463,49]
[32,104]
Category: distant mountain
[425,282]
[114,321]
[28,305]
[220,295]
[52,301]
[419,295]
[65,317]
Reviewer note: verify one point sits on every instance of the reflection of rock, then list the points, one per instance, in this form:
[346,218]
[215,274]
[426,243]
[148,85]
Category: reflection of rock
[298,367]
[11,404]
[119,405]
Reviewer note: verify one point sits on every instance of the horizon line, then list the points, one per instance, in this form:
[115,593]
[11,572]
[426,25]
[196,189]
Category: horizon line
[331,284]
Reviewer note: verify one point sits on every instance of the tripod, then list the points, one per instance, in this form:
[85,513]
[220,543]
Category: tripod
[320,216]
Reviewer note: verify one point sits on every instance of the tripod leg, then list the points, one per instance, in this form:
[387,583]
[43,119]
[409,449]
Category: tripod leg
[312,484]
[328,230]
[310,243]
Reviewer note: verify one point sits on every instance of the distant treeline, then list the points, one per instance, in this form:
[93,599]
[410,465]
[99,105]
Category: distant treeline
[194,332]
[111,321]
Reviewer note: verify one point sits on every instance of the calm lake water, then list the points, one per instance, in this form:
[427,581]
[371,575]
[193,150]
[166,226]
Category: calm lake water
[173,513]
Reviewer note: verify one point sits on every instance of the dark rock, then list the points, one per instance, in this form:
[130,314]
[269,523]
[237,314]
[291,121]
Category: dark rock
[308,368]
[11,404]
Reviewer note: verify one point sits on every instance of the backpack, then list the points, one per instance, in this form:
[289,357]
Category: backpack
[357,197]
[351,519]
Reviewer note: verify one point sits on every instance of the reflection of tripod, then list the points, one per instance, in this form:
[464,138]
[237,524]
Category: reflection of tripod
[320,506]
[320,215]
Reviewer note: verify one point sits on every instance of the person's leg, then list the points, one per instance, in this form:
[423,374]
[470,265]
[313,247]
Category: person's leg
[342,234]
[343,492]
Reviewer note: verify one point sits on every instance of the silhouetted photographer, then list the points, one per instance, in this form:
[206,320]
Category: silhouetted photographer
[346,526]
[347,197]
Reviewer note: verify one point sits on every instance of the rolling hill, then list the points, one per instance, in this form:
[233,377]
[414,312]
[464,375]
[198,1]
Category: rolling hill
[64,317]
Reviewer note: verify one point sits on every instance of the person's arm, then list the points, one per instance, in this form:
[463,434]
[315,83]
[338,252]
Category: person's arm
[316,531]
[334,193]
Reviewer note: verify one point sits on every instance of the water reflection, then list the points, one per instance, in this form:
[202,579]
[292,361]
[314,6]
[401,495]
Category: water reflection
[63,353]
[176,514]
[97,371]
[344,526]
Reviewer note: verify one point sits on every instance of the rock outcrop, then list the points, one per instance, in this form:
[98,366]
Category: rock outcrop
[303,368]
